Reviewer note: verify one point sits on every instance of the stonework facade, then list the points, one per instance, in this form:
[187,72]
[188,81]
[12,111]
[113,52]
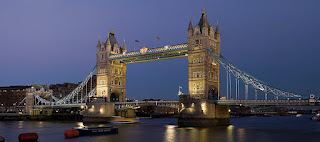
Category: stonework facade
[204,71]
[111,75]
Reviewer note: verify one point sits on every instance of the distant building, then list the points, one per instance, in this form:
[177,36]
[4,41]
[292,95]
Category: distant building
[153,100]
[62,90]
[90,85]
[155,111]
[13,95]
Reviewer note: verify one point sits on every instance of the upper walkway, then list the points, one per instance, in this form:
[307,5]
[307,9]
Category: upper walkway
[144,54]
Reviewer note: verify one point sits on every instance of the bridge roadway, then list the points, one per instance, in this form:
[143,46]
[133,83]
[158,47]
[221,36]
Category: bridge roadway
[122,105]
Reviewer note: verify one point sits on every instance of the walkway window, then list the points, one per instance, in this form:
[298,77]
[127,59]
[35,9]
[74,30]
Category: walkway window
[114,97]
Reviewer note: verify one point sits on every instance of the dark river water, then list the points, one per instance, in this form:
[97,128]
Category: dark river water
[245,129]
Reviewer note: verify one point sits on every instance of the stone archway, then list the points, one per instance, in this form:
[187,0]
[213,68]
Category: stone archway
[212,94]
[114,97]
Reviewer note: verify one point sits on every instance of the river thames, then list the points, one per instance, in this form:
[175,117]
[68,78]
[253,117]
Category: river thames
[244,129]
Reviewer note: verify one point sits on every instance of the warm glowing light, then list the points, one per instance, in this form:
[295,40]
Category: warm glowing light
[192,105]
[101,110]
[82,107]
[182,106]
[80,124]
[204,108]
[229,110]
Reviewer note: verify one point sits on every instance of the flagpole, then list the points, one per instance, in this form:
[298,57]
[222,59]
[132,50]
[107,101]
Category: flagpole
[154,41]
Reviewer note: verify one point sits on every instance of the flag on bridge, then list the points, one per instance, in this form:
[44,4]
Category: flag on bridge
[136,41]
[157,38]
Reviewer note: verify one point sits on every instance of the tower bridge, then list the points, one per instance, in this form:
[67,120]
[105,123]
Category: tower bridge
[202,106]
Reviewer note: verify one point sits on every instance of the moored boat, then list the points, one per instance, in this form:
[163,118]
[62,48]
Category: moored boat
[316,117]
[83,131]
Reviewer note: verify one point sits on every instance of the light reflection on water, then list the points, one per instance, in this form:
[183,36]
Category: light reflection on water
[170,134]
[247,129]
[230,133]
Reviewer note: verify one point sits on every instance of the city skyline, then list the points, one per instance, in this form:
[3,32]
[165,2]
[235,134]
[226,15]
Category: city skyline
[51,43]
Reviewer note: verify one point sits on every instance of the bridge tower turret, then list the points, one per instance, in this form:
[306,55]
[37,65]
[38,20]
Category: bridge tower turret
[204,71]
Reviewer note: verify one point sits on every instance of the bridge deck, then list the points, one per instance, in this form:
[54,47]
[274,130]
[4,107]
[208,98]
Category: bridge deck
[269,102]
[219,102]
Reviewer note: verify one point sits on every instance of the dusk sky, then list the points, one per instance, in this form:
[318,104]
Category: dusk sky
[43,42]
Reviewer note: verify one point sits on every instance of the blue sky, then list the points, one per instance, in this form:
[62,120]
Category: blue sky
[49,42]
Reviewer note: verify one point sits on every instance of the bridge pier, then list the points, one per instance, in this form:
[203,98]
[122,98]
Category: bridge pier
[99,112]
[202,113]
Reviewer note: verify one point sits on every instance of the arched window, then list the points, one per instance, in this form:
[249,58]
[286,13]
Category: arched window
[116,81]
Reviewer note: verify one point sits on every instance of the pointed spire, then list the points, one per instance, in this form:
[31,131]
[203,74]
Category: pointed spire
[108,40]
[98,45]
[204,21]
[217,29]
[190,25]
[204,11]
[124,47]
[111,31]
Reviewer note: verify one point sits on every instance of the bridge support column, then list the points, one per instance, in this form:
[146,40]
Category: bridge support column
[202,113]
[29,101]
[99,112]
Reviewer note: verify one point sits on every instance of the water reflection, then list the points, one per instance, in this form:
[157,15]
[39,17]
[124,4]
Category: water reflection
[241,134]
[246,129]
[204,135]
[20,124]
[170,133]
[40,124]
[230,133]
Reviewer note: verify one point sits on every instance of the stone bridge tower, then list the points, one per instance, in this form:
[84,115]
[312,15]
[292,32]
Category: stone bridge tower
[111,75]
[204,71]
[199,108]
